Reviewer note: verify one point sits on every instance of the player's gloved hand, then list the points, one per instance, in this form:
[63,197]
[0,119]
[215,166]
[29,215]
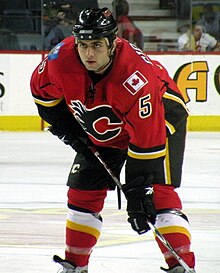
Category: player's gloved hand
[79,143]
[140,206]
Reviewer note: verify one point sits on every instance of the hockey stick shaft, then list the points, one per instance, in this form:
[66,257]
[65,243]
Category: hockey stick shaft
[98,156]
[153,228]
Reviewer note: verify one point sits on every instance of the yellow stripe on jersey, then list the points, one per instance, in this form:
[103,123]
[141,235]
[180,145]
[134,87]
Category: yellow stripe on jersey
[176,99]
[149,155]
[167,165]
[49,103]
[83,228]
[175,229]
[170,127]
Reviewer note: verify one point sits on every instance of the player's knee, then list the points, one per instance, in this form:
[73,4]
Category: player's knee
[78,220]
[173,221]
[86,201]
[166,197]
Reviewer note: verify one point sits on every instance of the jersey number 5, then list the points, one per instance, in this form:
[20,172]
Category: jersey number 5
[145,107]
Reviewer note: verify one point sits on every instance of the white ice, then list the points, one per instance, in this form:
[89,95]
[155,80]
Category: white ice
[33,172]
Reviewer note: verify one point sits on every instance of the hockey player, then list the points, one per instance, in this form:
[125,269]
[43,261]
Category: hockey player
[132,112]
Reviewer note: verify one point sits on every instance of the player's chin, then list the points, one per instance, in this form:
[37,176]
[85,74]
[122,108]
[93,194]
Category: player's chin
[91,68]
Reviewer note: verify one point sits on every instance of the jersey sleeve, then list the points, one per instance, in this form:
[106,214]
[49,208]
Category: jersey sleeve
[145,124]
[175,107]
[149,102]
[48,97]
[45,90]
[157,112]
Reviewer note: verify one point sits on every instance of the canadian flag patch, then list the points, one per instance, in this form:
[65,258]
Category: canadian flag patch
[135,82]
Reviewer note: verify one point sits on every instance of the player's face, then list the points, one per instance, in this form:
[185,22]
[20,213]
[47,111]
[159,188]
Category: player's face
[94,54]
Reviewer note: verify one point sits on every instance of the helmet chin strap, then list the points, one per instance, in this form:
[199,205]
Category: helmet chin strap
[102,69]
[111,55]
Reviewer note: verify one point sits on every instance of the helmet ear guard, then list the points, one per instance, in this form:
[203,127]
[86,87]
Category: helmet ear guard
[93,24]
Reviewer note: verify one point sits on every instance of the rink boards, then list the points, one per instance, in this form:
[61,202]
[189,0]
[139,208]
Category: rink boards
[197,75]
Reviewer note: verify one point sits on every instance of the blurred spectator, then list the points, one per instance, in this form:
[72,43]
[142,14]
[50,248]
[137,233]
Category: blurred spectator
[71,8]
[204,41]
[64,24]
[52,34]
[186,41]
[126,27]
[211,21]
[79,5]
[70,11]
[59,18]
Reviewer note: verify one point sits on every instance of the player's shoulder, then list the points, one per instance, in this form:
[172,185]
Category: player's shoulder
[132,73]
[129,57]
[62,49]
[159,67]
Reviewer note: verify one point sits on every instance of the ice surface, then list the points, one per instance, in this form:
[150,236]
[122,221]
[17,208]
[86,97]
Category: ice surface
[33,172]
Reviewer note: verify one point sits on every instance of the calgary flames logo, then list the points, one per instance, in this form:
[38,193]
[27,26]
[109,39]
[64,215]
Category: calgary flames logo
[100,122]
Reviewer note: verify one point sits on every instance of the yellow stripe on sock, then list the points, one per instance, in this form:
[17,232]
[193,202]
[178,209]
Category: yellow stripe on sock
[175,229]
[83,228]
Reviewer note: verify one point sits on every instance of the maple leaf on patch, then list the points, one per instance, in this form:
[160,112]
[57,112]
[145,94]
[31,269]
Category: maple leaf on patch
[135,81]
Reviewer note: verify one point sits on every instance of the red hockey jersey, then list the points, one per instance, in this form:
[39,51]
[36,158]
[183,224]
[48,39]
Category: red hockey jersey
[127,107]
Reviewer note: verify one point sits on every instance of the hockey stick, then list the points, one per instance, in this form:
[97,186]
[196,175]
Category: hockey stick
[153,228]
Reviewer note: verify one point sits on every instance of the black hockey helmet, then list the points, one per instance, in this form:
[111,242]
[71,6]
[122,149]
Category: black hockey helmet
[93,24]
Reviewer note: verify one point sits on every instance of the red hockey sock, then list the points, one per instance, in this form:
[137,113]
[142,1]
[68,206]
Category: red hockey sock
[83,228]
[181,245]
[173,225]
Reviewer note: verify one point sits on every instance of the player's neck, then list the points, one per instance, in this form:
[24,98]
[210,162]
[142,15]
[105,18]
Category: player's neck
[97,77]
[103,68]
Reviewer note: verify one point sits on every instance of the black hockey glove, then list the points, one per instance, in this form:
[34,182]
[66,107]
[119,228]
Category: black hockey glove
[79,143]
[140,206]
